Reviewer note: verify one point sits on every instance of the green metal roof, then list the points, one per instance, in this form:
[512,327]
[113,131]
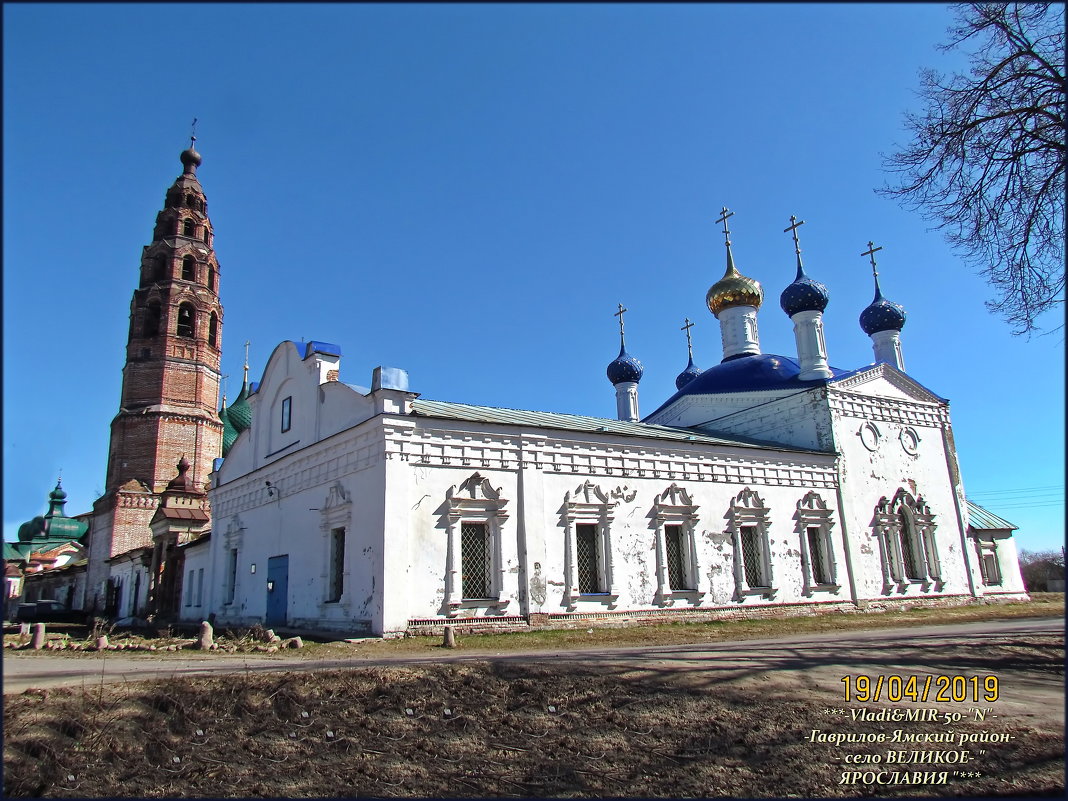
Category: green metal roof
[592,425]
[983,520]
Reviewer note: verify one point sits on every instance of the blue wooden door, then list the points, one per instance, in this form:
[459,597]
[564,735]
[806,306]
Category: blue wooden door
[277,590]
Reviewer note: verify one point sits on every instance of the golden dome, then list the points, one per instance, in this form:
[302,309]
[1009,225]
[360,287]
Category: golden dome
[733,289]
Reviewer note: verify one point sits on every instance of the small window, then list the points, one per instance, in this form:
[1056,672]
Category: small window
[753,557]
[287,409]
[211,277]
[189,269]
[207,236]
[152,319]
[186,320]
[213,330]
[337,564]
[200,587]
[231,579]
[190,201]
[817,556]
[189,593]
[159,272]
[590,575]
[475,560]
[675,549]
[910,552]
[188,228]
[990,569]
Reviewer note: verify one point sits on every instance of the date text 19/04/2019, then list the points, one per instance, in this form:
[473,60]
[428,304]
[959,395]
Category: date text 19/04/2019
[921,689]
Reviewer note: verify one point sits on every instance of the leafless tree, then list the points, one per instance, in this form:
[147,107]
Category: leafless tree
[986,162]
[1038,568]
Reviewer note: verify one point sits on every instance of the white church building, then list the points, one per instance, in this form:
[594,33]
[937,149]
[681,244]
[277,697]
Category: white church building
[767,485]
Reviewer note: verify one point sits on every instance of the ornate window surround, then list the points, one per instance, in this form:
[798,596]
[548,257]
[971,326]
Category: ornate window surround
[987,546]
[335,513]
[475,501]
[900,517]
[675,507]
[747,509]
[588,505]
[812,512]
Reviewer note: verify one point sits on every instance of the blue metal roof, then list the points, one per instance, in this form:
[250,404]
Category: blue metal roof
[306,349]
[982,519]
[762,372]
[596,425]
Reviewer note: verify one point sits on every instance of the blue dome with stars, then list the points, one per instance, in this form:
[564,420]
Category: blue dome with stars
[804,294]
[686,376]
[882,314]
[624,368]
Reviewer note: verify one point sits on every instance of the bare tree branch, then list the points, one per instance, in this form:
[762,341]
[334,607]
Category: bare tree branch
[987,157]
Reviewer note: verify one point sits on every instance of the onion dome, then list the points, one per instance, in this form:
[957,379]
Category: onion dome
[804,294]
[229,432]
[733,289]
[190,159]
[882,314]
[54,526]
[182,482]
[689,374]
[57,498]
[624,367]
[240,413]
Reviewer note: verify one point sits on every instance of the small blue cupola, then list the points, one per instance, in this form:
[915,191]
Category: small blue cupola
[625,372]
[883,320]
[804,301]
[692,371]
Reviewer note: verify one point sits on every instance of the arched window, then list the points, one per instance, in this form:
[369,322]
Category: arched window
[207,241]
[188,229]
[211,277]
[152,317]
[186,320]
[191,201]
[189,268]
[905,529]
[160,273]
[213,330]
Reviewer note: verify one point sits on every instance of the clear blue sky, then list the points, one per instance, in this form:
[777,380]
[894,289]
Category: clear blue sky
[467,191]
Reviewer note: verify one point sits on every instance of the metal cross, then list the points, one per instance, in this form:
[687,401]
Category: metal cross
[871,251]
[723,219]
[224,386]
[689,342]
[794,227]
[619,314]
[193,135]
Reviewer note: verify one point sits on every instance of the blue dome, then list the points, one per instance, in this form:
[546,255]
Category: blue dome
[686,376]
[804,294]
[882,314]
[625,368]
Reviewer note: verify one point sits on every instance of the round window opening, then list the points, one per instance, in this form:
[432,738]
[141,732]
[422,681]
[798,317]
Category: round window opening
[910,441]
[869,436]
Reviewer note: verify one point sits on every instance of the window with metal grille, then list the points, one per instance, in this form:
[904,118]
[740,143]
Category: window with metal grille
[990,569]
[337,564]
[676,562]
[475,560]
[231,582]
[752,559]
[817,556]
[913,569]
[587,561]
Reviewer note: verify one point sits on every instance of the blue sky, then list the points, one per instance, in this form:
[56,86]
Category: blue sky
[466,191]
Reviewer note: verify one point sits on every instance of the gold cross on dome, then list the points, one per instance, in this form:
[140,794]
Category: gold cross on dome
[724,214]
[795,225]
[619,314]
[871,251]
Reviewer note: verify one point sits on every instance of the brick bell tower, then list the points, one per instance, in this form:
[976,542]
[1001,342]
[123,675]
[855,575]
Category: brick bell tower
[170,387]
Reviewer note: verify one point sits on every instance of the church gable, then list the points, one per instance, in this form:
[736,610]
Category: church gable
[883,381]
